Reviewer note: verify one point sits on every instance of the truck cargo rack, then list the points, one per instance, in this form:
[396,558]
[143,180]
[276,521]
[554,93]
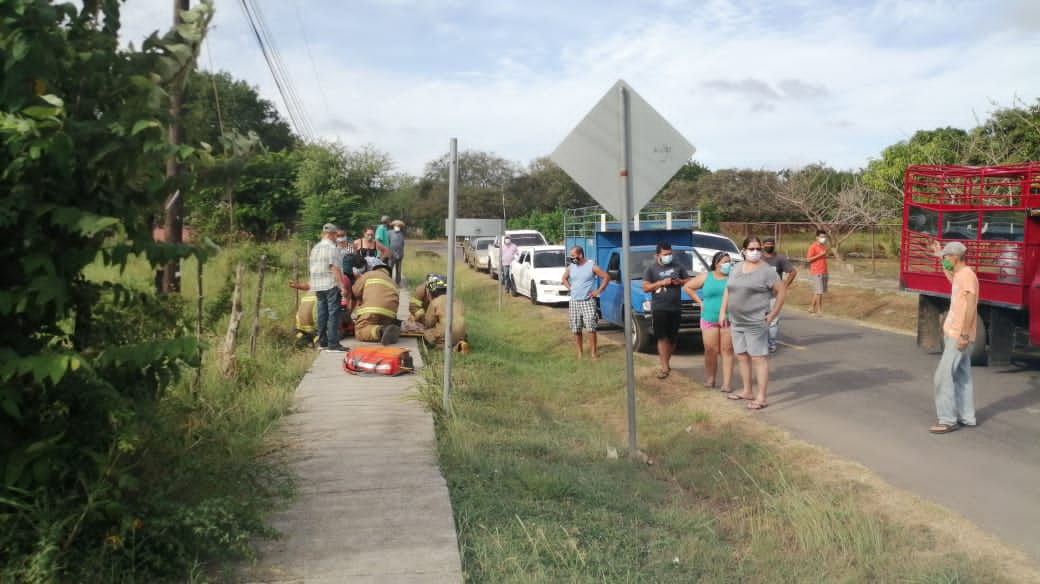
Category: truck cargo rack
[985,208]
[585,222]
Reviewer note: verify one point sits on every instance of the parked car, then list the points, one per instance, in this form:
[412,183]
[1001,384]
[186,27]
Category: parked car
[707,244]
[537,272]
[476,252]
[520,237]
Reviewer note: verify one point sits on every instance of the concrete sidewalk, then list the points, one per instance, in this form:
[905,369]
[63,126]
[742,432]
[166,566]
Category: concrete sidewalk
[372,504]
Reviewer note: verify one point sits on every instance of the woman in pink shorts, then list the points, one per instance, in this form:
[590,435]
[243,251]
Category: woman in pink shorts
[716,337]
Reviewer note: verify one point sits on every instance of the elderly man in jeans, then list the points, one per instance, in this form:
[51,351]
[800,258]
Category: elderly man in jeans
[326,281]
[954,394]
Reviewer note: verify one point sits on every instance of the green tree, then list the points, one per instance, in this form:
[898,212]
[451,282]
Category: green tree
[217,104]
[341,186]
[83,157]
[940,146]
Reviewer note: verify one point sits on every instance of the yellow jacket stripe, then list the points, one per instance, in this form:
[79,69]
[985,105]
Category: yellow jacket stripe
[376,310]
[381,282]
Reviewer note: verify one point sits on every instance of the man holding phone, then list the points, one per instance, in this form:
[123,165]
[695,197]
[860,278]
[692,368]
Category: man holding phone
[664,281]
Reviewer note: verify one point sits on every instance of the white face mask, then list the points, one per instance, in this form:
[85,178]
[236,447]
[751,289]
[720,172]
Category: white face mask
[506,241]
[753,255]
[821,239]
[397,227]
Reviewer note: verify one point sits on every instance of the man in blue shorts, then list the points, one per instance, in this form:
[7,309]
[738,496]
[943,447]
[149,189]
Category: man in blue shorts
[580,278]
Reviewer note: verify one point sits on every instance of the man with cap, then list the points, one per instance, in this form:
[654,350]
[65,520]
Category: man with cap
[396,246]
[954,394]
[783,266]
[326,281]
[383,231]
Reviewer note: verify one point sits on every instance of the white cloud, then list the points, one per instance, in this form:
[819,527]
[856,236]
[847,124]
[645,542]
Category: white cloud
[751,84]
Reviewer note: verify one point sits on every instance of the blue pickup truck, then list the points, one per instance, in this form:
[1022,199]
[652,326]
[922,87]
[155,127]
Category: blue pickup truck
[600,236]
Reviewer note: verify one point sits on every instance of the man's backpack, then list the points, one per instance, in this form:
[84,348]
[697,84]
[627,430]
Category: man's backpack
[378,360]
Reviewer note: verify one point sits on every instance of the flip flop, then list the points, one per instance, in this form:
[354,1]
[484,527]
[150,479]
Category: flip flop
[757,406]
[726,390]
[663,374]
[737,397]
[943,428]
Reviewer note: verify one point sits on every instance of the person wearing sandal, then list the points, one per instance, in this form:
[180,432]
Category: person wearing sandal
[716,338]
[954,393]
[664,281]
[752,284]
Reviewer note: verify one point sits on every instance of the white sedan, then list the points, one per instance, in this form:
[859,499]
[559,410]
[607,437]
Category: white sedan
[537,272]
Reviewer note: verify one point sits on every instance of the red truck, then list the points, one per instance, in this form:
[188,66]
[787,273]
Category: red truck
[995,212]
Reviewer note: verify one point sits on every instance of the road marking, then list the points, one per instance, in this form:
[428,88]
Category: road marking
[799,347]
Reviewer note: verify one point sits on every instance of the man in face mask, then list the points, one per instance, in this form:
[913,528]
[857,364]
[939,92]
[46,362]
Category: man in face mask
[816,257]
[396,248]
[954,393]
[508,253]
[782,266]
[580,278]
[664,281]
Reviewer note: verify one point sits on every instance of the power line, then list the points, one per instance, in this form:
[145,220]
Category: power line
[298,103]
[274,64]
[310,56]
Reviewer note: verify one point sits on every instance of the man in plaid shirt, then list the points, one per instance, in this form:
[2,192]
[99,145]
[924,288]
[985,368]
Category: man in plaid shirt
[326,281]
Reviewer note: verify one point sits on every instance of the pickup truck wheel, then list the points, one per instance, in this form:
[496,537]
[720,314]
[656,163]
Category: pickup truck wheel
[512,287]
[491,272]
[642,340]
[534,294]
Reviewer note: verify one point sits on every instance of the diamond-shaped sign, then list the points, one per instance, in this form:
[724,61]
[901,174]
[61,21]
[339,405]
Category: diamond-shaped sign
[593,153]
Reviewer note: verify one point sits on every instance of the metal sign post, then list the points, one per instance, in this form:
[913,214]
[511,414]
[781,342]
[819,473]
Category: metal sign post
[626,244]
[453,171]
[622,130]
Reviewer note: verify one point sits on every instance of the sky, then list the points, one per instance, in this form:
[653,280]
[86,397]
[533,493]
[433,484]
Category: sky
[762,84]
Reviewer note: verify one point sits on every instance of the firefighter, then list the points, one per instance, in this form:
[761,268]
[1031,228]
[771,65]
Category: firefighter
[377,299]
[436,316]
[307,316]
[421,298]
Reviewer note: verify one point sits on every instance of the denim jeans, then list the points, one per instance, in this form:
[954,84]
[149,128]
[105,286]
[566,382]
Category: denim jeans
[954,394]
[327,326]
[505,278]
[774,328]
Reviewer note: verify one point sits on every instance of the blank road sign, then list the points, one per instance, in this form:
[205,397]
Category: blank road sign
[592,154]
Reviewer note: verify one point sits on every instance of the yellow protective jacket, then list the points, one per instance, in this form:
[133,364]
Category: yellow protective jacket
[307,313]
[376,293]
[419,303]
[436,320]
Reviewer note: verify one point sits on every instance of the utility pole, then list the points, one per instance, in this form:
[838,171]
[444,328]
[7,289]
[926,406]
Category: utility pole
[173,223]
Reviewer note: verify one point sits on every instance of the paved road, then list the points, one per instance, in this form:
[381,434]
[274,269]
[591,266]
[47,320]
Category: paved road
[866,395]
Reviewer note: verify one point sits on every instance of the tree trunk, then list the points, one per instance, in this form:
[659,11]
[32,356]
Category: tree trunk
[255,332]
[228,362]
[197,382]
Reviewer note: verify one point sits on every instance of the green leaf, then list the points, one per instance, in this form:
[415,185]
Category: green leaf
[53,100]
[142,125]
[41,112]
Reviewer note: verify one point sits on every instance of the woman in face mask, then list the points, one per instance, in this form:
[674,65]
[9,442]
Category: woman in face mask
[746,308]
[716,337]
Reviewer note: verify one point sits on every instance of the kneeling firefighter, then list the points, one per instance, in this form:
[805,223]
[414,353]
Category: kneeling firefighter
[377,299]
[436,317]
[421,298]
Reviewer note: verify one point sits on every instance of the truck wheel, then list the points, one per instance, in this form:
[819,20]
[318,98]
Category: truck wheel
[534,294]
[979,351]
[930,313]
[642,340]
[491,272]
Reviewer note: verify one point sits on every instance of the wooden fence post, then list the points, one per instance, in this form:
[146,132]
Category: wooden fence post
[228,362]
[255,332]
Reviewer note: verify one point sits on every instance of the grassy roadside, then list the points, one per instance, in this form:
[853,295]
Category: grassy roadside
[205,474]
[728,499]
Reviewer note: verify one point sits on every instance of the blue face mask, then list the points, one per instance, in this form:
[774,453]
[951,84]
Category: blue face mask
[726,267]
[666,259]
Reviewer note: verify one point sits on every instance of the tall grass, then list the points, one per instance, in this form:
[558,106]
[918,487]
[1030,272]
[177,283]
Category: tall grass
[538,497]
[206,466]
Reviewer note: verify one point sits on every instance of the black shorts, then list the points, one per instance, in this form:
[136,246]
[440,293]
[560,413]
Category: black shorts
[666,324]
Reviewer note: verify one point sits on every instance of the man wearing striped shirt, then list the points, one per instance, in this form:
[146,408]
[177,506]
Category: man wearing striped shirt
[326,281]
